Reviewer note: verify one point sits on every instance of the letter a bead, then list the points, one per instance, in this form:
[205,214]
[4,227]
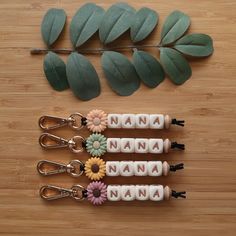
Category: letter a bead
[156,192]
[156,121]
[156,145]
[128,192]
[154,168]
[126,168]
[127,145]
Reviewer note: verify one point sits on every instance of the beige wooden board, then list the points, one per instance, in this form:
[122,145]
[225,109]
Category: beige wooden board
[206,102]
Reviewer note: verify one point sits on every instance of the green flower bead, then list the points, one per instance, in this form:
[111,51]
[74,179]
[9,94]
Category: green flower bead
[96,144]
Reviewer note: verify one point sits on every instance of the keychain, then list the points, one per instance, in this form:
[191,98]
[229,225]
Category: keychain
[97,192]
[96,168]
[97,144]
[97,121]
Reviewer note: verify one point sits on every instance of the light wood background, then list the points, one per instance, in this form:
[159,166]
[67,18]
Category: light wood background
[206,102]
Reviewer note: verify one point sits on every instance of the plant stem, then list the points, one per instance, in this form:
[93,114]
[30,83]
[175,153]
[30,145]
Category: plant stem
[90,50]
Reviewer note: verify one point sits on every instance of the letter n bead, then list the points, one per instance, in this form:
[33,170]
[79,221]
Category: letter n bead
[141,145]
[114,192]
[113,145]
[141,168]
[142,192]
[112,168]
[114,121]
[142,121]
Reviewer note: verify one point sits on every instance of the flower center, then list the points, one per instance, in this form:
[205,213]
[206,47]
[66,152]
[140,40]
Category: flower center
[96,193]
[95,168]
[96,144]
[96,121]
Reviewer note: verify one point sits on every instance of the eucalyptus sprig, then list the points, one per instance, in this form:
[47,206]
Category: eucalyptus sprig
[122,75]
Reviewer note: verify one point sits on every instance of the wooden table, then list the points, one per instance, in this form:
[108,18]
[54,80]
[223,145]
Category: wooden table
[206,102]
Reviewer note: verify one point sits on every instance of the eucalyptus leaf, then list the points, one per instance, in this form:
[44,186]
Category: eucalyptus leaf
[148,68]
[85,23]
[120,73]
[175,25]
[115,22]
[82,77]
[175,65]
[144,21]
[55,71]
[196,45]
[52,25]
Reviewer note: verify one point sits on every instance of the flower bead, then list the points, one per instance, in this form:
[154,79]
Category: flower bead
[97,192]
[96,144]
[95,168]
[96,121]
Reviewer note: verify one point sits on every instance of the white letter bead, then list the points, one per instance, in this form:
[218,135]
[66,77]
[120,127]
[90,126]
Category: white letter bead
[128,192]
[154,168]
[141,145]
[142,121]
[112,168]
[156,121]
[142,192]
[114,121]
[156,192]
[128,121]
[126,168]
[114,192]
[141,168]
[155,145]
[113,145]
[127,145]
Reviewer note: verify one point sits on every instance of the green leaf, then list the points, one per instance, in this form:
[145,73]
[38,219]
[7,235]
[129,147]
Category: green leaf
[115,22]
[82,77]
[196,45]
[148,68]
[175,65]
[144,21]
[55,71]
[52,25]
[120,73]
[85,23]
[175,25]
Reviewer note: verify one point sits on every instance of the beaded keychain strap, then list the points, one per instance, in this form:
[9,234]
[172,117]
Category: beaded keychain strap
[97,121]
[97,144]
[97,192]
[96,168]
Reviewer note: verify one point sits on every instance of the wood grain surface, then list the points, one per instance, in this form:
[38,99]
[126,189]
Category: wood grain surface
[206,102]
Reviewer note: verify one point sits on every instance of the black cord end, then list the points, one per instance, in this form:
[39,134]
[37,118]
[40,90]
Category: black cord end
[83,121]
[177,122]
[84,144]
[82,166]
[84,193]
[178,194]
[177,167]
[177,145]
